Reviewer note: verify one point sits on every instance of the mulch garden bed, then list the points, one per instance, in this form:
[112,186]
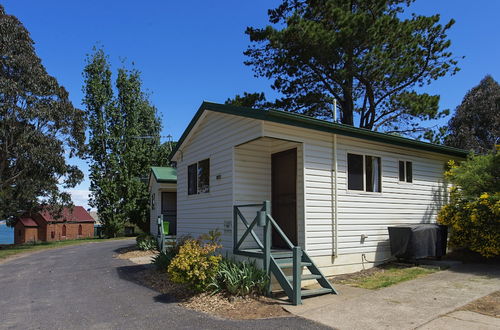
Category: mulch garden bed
[214,304]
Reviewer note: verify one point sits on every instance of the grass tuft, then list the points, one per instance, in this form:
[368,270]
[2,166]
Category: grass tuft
[387,275]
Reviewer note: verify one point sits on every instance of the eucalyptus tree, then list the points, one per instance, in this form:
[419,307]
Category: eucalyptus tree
[39,127]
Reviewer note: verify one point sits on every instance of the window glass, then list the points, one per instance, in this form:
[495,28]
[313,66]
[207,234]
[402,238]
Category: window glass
[192,179]
[355,172]
[204,176]
[409,172]
[401,170]
[373,173]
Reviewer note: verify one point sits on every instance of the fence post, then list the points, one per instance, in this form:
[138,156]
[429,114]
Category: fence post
[297,261]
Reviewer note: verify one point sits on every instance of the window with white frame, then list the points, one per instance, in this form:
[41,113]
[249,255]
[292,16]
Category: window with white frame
[405,171]
[199,177]
[364,173]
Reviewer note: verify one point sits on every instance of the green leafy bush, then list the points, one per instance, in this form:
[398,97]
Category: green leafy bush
[240,279]
[196,264]
[163,259]
[473,213]
[146,242]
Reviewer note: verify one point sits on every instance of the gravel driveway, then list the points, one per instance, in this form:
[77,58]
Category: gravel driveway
[84,287]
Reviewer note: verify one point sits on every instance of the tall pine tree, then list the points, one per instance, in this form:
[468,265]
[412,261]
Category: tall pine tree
[367,54]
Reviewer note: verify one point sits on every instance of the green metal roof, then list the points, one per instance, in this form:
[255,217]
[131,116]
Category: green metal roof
[164,174]
[293,119]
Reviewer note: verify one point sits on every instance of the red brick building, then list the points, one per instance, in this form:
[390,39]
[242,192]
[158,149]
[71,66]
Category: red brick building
[42,226]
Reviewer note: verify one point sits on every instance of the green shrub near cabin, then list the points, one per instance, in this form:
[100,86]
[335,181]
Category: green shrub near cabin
[146,242]
[239,279]
[473,213]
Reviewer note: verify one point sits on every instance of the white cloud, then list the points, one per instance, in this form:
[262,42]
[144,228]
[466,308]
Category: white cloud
[80,197]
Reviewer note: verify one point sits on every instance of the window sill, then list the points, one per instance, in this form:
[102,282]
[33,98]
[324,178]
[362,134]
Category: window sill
[363,192]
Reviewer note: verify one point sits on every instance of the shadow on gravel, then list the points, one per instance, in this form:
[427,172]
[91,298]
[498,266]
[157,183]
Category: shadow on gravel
[126,248]
[131,274]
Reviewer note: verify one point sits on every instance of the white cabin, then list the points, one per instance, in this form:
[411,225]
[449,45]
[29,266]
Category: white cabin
[163,197]
[334,189]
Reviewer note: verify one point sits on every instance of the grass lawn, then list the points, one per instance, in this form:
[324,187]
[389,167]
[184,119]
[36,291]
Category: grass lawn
[384,276]
[11,249]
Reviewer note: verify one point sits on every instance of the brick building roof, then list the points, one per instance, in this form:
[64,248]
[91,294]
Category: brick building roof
[28,222]
[78,214]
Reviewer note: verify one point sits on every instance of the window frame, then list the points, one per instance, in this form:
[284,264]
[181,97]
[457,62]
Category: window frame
[198,176]
[405,173]
[189,191]
[364,191]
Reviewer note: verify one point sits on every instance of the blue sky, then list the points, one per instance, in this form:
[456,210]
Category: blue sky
[190,51]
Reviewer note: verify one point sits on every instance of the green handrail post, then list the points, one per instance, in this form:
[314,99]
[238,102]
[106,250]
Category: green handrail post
[161,238]
[235,228]
[267,244]
[297,261]
[267,207]
[262,218]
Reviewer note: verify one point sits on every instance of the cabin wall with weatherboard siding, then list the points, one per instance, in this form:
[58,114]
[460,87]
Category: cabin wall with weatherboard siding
[214,138]
[252,177]
[398,203]
[252,180]
[361,212]
[316,176]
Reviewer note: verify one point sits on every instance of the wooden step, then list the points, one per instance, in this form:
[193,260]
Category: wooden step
[282,254]
[305,277]
[288,262]
[315,292]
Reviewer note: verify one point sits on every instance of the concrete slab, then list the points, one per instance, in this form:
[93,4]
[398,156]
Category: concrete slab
[463,320]
[407,305]
[346,293]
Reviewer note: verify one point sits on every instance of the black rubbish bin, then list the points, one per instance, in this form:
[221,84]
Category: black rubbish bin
[418,241]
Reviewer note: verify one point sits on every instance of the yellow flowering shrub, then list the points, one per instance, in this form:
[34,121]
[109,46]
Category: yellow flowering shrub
[474,224]
[196,264]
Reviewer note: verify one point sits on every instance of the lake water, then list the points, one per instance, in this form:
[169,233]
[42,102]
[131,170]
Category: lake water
[6,233]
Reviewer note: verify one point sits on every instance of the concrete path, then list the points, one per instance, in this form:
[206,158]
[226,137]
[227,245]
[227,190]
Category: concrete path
[463,320]
[84,287]
[407,305]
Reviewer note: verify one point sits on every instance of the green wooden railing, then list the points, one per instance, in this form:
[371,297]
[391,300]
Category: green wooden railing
[163,237]
[274,262]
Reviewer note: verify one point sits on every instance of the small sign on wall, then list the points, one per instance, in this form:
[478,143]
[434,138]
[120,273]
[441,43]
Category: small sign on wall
[227,225]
